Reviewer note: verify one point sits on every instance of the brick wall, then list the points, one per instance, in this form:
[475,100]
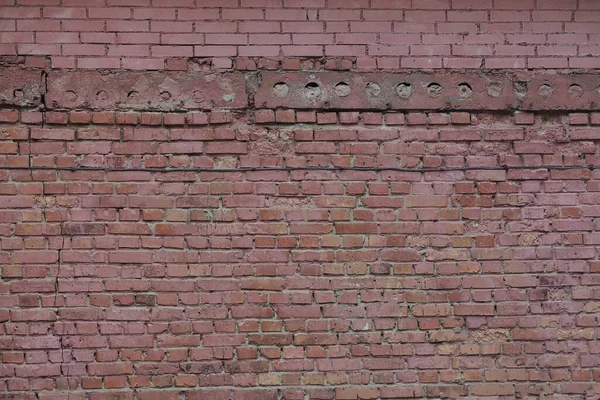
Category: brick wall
[193,208]
[140,34]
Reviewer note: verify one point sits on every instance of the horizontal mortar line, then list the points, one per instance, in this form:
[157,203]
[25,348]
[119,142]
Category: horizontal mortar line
[291,169]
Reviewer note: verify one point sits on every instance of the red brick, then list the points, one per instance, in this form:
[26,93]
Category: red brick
[522,118]
[578,119]
[264,116]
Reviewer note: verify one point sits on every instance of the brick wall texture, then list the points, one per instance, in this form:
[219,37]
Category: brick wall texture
[386,34]
[299,199]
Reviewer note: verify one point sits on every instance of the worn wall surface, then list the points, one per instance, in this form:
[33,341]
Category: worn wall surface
[316,199]
[385,34]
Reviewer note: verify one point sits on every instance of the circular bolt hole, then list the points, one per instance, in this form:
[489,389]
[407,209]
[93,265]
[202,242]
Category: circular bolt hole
[312,90]
[71,96]
[342,89]
[281,89]
[545,90]
[404,90]
[575,91]
[373,89]
[102,95]
[464,90]
[165,95]
[18,94]
[198,96]
[494,89]
[434,89]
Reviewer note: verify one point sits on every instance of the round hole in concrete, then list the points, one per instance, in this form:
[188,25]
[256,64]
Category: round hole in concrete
[198,96]
[312,90]
[71,96]
[342,89]
[102,95]
[281,89]
[404,90]
[494,89]
[373,89]
[545,90]
[434,89]
[575,91]
[464,90]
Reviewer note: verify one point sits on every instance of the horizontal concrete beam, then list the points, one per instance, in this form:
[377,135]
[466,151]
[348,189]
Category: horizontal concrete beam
[428,91]
[163,91]
[333,90]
